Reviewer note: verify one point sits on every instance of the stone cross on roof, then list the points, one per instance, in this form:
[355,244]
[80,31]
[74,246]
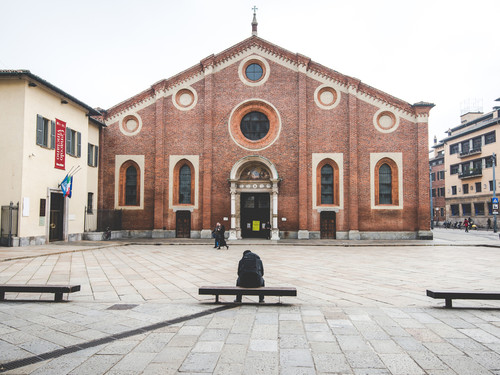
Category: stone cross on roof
[254,22]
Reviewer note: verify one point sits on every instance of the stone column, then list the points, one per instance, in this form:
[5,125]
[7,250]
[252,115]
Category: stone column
[275,232]
[232,230]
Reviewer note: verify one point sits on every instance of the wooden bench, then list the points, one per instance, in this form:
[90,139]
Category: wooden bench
[449,295]
[239,291]
[58,290]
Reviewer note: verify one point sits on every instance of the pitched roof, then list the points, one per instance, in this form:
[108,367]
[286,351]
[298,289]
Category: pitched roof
[26,74]
[165,86]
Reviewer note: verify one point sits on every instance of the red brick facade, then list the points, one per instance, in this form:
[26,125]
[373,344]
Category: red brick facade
[194,116]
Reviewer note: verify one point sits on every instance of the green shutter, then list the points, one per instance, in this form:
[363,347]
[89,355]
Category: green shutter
[52,135]
[79,144]
[96,158]
[39,130]
[90,154]
[68,141]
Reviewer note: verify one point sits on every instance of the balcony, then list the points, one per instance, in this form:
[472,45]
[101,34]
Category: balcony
[471,173]
[470,152]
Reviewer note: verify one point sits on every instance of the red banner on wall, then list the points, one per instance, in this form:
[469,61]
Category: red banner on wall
[60,144]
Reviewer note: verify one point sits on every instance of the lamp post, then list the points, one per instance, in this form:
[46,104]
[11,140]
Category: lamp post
[430,193]
[493,158]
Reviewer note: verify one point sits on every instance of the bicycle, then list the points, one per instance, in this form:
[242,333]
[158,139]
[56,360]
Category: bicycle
[106,235]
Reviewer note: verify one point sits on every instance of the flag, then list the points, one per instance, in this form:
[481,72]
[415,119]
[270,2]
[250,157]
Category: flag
[67,186]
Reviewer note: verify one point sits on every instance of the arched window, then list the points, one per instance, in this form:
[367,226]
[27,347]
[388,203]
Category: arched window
[130,177]
[384,185]
[327,183]
[386,182]
[184,182]
[185,185]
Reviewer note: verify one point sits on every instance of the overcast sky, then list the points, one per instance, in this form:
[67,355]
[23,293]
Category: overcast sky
[104,51]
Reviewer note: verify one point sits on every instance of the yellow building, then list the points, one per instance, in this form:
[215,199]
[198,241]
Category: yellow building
[47,135]
[469,150]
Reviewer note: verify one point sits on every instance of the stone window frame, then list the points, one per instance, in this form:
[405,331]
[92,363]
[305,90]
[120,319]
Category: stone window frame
[176,181]
[175,162]
[121,164]
[395,161]
[317,160]
[123,121]
[385,112]
[335,167]
[123,183]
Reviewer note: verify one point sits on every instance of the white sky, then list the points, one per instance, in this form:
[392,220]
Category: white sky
[104,51]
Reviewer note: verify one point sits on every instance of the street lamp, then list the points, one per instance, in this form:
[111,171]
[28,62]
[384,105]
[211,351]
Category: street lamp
[493,158]
[430,192]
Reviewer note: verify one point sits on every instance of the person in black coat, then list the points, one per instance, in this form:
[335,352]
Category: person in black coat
[220,238]
[250,273]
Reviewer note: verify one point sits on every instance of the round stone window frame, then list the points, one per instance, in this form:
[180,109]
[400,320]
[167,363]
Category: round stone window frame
[254,105]
[254,59]
[326,88]
[383,112]
[123,125]
[176,98]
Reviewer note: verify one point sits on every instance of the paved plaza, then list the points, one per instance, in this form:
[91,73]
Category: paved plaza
[361,308]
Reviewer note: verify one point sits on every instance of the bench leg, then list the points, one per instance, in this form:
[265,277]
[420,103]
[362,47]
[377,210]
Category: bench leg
[216,298]
[2,296]
[448,303]
[58,297]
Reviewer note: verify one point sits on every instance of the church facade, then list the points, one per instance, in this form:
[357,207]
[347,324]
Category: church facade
[258,135]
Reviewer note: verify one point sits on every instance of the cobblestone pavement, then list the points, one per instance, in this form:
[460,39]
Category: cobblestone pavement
[359,310]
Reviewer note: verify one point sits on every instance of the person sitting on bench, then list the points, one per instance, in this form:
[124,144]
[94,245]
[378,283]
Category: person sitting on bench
[250,272]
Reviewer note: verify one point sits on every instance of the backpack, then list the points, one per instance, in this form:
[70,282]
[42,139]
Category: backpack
[250,263]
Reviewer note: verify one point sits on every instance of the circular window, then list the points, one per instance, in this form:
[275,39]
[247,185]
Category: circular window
[254,125]
[130,125]
[385,121]
[254,72]
[185,99]
[326,97]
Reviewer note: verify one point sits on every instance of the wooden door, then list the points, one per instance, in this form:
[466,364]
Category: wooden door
[56,217]
[183,224]
[327,225]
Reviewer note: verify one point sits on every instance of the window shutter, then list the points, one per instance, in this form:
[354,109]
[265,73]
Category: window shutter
[96,158]
[90,154]
[79,144]
[68,141]
[52,135]
[39,130]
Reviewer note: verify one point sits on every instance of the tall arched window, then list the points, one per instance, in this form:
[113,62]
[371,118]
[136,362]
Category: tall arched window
[185,185]
[384,184]
[327,184]
[131,186]
[130,177]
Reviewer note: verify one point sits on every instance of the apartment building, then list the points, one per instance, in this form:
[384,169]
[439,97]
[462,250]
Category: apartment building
[47,137]
[438,185]
[469,150]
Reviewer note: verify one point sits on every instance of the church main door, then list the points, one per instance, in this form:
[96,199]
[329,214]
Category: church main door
[254,214]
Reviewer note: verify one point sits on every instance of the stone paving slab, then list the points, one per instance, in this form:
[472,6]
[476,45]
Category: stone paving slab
[359,310]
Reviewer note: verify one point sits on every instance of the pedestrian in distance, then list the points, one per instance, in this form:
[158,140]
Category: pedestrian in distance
[220,238]
[250,273]
[214,235]
[466,224]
